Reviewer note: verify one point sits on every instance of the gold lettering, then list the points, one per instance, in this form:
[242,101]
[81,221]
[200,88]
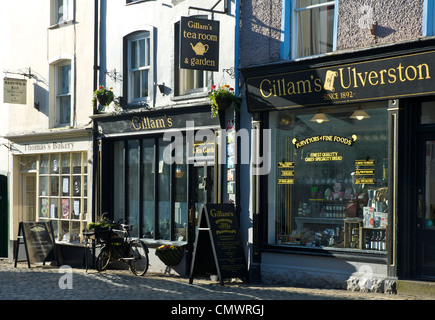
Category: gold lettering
[407,75]
[318,84]
[420,66]
[160,123]
[218,213]
[373,75]
[291,88]
[392,74]
[382,75]
[135,124]
[341,78]
[363,81]
[303,82]
[261,88]
[400,68]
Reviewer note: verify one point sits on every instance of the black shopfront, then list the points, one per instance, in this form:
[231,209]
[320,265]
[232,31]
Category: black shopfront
[352,163]
[156,169]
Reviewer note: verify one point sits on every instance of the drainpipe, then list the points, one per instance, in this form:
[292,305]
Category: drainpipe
[236,47]
[95,166]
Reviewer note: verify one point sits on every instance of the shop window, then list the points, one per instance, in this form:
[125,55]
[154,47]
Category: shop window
[150,193]
[63,193]
[308,28]
[187,81]
[427,113]
[329,187]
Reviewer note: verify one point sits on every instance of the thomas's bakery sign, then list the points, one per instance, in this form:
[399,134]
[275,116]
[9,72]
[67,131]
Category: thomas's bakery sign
[386,78]
[199,44]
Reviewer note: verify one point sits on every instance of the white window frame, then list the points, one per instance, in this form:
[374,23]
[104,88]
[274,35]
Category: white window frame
[53,64]
[60,95]
[428,18]
[147,36]
[290,31]
[63,11]
[184,76]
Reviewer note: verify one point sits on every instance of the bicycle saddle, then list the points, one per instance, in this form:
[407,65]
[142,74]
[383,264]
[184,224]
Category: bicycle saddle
[128,227]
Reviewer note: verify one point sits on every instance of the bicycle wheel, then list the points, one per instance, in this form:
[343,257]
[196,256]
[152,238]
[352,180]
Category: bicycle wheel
[139,253]
[103,259]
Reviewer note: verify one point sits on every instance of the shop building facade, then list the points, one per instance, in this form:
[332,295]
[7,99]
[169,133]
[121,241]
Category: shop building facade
[47,94]
[159,147]
[344,97]
[4,155]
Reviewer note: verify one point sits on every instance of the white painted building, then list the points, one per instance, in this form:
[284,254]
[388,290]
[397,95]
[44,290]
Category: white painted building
[50,47]
[140,59]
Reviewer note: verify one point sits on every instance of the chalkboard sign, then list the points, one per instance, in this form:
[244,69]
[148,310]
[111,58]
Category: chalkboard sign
[218,248]
[38,240]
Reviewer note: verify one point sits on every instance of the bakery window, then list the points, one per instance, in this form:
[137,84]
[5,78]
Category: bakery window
[328,186]
[55,187]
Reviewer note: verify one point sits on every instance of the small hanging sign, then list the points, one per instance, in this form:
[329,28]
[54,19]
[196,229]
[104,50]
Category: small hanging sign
[199,39]
[15,91]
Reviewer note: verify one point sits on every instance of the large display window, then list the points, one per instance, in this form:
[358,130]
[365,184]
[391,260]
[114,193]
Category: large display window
[55,187]
[328,186]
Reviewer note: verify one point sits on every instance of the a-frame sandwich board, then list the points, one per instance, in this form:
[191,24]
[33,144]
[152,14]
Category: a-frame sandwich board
[218,249]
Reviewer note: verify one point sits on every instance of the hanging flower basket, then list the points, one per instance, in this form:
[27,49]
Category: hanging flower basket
[221,98]
[170,255]
[103,96]
[223,103]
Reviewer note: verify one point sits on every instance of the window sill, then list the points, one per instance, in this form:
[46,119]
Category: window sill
[345,254]
[59,25]
[137,1]
[195,95]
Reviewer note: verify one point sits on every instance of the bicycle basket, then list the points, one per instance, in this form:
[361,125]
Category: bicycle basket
[116,236]
[103,234]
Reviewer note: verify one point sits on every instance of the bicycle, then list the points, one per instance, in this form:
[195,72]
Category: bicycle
[119,246]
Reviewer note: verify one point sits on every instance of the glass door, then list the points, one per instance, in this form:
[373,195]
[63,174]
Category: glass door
[29,197]
[4,227]
[426,208]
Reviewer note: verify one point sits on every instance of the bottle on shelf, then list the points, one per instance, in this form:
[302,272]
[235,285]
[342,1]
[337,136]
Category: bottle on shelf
[368,242]
[373,241]
[383,246]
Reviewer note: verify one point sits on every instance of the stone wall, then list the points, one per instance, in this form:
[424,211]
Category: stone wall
[260,32]
[395,21]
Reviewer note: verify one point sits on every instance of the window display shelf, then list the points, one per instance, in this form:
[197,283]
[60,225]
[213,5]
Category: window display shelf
[302,221]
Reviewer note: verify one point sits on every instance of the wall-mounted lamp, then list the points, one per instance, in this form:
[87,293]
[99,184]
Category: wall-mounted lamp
[373,29]
[284,121]
[161,88]
[320,117]
[359,114]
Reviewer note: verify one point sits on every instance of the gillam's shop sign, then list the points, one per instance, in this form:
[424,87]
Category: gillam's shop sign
[199,44]
[388,78]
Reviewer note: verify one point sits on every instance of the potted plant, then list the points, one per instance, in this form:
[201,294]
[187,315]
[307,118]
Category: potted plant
[221,98]
[169,254]
[103,96]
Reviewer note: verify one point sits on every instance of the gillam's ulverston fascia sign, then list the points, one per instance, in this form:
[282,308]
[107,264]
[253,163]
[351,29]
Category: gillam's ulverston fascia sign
[199,44]
[390,77]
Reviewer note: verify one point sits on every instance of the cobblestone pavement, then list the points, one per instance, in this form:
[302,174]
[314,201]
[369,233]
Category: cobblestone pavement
[49,282]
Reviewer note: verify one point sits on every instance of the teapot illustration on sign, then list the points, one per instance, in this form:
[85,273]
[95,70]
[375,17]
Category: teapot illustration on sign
[200,48]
